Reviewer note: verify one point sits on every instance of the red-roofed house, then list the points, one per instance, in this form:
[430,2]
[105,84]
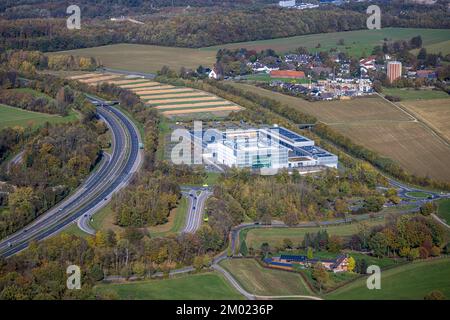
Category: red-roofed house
[290,74]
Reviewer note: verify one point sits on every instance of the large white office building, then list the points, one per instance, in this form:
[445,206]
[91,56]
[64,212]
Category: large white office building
[272,147]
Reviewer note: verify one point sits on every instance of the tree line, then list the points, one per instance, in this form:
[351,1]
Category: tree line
[207,28]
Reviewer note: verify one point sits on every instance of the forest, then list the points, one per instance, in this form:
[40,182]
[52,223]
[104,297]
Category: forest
[208,26]
[294,198]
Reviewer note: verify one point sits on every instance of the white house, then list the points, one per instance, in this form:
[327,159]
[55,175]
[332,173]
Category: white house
[213,74]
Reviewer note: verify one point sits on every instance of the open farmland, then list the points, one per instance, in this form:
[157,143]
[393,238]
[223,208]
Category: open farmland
[409,143]
[206,286]
[266,282]
[383,127]
[411,281]
[146,58]
[356,43]
[364,109]
[170,100]
[436,113]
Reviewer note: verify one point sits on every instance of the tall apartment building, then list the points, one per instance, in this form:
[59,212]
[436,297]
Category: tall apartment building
[394,70]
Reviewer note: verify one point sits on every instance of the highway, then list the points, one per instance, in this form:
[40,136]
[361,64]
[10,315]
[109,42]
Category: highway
[112,174]
[196,208]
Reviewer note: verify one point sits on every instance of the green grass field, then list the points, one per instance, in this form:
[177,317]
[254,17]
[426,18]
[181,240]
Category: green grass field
[265,77]
[356,43]
[12,117]
[206,286]
[418,194]
[412,94]
[263,281]
[444,210]
[275,236]
[406,282]
[74,230]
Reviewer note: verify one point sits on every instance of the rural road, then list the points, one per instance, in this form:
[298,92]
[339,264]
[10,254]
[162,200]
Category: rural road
[113,173]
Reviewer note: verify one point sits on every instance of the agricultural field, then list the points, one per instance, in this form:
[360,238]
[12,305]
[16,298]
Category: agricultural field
[383,127]
[205,286]
[408,143]
[416,94]
[407,282]
[436,48]
[263,281]
[444,210]
[356,43]
[12,117]
[342,111]
[435,113]
[274,236]
[172,101]
[146,58]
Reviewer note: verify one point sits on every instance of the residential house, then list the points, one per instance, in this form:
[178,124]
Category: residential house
[287,262]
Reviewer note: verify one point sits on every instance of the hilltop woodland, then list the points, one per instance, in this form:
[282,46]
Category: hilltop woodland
[44,28]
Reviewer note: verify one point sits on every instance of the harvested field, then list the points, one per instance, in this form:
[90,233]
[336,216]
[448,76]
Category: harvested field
[216,109]
[370,108]
[181,100]
[82,76]
[168,91]
[127,82]
[435,113]
[194,105]
[150,89]
[139,85]
[94,80]
[187,95]
[409,143]
[145,58]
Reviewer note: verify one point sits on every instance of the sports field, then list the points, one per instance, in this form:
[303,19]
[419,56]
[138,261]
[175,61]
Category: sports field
[12,117]
[356,43]
[407,282]
[206,286]
[146,58]
[384,127]
[263,281]
[275,236]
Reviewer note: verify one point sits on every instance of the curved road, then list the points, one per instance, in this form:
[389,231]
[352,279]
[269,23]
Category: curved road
[112,174]
[196,209]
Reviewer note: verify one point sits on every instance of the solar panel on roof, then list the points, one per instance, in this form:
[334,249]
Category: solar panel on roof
[290,135]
